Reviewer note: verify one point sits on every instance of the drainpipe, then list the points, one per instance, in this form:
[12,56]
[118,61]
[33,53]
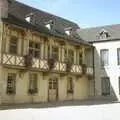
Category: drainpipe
[93,67]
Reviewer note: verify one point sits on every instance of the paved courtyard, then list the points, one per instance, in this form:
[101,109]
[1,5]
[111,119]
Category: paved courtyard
[78,110]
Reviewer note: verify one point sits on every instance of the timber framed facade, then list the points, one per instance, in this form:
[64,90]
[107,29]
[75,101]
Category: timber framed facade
[39,67]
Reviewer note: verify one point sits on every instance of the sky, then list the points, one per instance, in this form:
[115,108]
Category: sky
[86,13]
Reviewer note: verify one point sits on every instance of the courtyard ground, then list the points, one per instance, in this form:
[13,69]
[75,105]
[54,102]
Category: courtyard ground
[77,110]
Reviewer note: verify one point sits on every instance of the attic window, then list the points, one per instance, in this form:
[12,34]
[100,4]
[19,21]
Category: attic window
[68,31]
[29,17]
[49,24]
[103,34]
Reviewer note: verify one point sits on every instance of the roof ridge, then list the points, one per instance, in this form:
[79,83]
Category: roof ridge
[103,26]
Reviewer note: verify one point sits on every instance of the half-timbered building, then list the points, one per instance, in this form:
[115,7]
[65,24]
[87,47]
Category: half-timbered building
[42,58]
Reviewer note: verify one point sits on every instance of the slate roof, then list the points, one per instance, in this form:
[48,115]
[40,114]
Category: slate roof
[18,11]
[92,34]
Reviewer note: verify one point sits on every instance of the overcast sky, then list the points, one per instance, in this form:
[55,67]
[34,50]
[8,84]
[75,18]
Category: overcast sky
[87,13]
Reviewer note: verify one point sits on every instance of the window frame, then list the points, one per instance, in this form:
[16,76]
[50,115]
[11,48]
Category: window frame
[33,49]
[55,54]
[12,44]
[80,62]
[11,83]
[70,56]
[103,79]
[118,56]
[33,83]
[119,84]
[104,62]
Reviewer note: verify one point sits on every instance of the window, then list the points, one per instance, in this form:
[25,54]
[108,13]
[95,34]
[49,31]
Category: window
[70,85]
[104,57]
[53,83]
[11,83]
[13,45]
[119,85]
[104,34]
[33,83]
[65,53]
[118,55]
[105,84]
[80,58]
[55,53]
[34,49]
[71,55]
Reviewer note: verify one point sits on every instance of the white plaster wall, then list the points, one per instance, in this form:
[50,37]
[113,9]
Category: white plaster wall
[112,70]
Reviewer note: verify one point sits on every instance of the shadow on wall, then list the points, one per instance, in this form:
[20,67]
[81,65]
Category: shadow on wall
[103,85]
[56,104]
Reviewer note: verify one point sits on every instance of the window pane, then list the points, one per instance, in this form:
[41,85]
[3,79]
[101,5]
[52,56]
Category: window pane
[105,82]
[118,55]
[13,49]
[34,49]
[104,57]
[55,53]
[37,46]
[71,55]
[31,44]
[119,85]
[37,54]
[13,45]
[33,82]
[65,54]
[11,83]
[80,59]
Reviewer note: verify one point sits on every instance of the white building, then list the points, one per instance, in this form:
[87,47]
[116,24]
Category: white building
[106,41]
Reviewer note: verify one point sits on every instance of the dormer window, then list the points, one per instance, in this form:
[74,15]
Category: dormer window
[49,24]
[103,34]
[29,17]
[68,31]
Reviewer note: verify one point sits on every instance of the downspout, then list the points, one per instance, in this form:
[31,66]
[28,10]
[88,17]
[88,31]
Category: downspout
[93,67]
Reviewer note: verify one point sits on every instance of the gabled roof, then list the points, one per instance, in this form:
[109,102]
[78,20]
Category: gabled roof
[18,11]
[92,34]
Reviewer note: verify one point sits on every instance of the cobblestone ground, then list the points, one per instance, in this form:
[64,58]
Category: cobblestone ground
[69,110]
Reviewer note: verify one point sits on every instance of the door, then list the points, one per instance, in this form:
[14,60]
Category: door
[105,86]
[70,88]
[53,89]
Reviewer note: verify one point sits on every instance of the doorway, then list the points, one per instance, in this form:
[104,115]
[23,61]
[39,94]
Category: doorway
[53,89]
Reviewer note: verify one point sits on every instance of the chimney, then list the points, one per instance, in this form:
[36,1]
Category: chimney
[3,9]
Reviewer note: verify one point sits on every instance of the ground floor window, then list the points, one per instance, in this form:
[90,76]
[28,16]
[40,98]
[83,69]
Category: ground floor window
[105,84]
[33,79]
[70,85]
[11,83]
